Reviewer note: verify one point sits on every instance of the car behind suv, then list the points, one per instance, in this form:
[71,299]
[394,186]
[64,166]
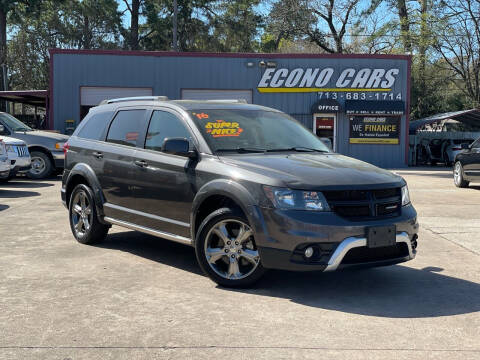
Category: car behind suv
[467,165]
[46,148]
[247,186]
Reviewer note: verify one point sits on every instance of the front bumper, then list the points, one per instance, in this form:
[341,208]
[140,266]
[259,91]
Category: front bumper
[20,164]
[339,243]
[59,159]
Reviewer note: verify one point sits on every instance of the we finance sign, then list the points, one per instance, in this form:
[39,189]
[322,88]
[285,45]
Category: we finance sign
[327,79]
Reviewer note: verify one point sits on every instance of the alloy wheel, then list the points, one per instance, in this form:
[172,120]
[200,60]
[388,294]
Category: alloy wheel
[457,173]
[38,165]
[230,250]
[81,213]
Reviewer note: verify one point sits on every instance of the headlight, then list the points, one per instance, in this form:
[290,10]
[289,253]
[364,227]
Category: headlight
[405,196]
[9,148]
[59,146]
[287,199]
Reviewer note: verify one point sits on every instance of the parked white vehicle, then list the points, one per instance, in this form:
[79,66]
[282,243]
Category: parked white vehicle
[4,162]
[18,155]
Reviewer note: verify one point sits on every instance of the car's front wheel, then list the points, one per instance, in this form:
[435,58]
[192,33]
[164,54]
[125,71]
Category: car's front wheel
[83,216]
[226,249]
[41,166]
[458,176]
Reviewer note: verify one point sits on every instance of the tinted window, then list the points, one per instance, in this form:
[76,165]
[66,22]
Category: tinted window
[164,125]
[95,125]
[126,127]
[476,144]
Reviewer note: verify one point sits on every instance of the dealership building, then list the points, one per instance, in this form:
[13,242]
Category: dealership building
[359,102]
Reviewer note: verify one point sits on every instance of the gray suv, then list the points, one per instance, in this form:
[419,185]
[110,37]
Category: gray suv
[247,186]
[46,148]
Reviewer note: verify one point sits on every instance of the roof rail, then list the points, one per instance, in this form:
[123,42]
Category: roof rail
[242,101]
[134,98]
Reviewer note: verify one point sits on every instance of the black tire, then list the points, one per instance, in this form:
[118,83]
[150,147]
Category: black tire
[42,165]
[95,231]
[229,216]
[458,176]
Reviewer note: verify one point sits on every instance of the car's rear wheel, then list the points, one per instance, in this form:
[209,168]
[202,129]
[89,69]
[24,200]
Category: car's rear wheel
[41,167]
[83,217]
[226,249]
[458,176]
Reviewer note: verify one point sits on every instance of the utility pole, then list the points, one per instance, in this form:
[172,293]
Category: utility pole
[175,26]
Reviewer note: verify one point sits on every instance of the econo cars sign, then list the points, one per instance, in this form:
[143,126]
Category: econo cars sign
[327,79]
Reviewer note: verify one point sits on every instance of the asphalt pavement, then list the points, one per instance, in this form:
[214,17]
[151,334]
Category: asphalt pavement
[139,297]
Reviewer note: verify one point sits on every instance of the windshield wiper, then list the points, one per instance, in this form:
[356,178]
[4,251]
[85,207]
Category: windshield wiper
[299,149]
[242,150]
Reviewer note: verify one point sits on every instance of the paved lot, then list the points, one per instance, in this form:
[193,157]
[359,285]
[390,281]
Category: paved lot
[136,296]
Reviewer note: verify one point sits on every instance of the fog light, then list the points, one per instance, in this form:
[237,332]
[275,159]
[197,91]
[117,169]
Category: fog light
[308,252]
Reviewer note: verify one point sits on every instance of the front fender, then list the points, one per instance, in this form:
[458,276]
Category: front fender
[234,191]
[87,173]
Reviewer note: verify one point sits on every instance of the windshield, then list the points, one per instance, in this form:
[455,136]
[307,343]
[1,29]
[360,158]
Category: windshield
[254,131]
[13,123]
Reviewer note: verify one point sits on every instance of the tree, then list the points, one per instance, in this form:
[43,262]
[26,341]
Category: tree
[236,26]
[459,45]
[6,7]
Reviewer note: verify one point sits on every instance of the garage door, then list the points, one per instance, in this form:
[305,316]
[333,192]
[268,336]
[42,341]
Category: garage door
[91,96]
[195,94]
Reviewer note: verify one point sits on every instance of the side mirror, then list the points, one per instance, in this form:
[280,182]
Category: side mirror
[465,146]
[2,129]
[178,146]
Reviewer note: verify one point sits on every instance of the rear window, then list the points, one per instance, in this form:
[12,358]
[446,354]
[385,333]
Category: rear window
[95,125]
[126,127]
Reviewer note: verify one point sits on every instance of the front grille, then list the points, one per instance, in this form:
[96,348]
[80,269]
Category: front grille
[21,150]
[360,205]
[364,254]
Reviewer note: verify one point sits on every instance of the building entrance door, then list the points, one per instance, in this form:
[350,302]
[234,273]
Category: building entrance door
[324,126]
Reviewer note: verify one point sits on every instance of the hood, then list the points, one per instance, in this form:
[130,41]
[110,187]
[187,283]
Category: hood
[11,141]
[34,136]
[315,171]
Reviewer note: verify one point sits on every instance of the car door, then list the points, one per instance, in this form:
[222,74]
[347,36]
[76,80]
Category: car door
[118,172]
[471,161]
[165,183]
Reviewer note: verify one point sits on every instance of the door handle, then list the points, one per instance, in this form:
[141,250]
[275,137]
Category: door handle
[98,155]
[141,163]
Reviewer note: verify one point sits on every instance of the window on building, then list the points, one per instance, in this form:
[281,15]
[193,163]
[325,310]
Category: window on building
[164,125]
[126,127]
[95,125]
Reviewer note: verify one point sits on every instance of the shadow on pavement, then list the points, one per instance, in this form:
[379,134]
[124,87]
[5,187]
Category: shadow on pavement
[25,184]
[3,207]
[150,247]
[12,194]
[395,292]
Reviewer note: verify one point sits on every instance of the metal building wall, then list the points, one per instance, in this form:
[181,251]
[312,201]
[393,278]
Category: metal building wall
[168,73]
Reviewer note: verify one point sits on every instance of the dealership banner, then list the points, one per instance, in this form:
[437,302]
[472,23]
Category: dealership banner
[374,129]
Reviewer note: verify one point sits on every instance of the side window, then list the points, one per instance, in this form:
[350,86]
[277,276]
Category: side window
[95,125]
[126,127]
[164,125]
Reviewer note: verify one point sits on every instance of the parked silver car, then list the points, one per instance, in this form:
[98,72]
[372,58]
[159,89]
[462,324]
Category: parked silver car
[452,147]
[46,148]
[4,163]
[18,155]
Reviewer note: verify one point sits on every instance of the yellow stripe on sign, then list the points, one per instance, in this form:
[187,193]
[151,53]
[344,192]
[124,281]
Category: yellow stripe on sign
[297,89]
[373,141]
